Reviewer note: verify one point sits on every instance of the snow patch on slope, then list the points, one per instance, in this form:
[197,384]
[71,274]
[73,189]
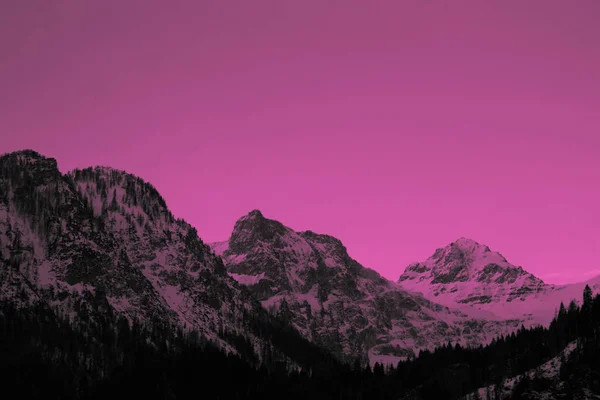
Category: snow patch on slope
[219,247]
[247,279]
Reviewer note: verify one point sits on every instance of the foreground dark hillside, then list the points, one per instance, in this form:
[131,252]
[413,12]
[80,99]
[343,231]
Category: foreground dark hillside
[45,356]
[452,372]
[100,355]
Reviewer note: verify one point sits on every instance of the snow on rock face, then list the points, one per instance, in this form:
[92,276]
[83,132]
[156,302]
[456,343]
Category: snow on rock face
[100,233]
[469,275]
[247,279]
[101,239]
[310,279]
[467,261]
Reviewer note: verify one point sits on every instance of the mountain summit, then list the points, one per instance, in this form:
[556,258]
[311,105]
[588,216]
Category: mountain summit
[252,229]
[465,260]
[469,275]
[467,272]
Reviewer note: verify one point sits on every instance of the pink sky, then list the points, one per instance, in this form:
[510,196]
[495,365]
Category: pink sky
[396,126]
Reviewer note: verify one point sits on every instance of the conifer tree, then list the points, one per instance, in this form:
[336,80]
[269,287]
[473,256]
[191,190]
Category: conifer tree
[587,298]
[114,206]
[562,311]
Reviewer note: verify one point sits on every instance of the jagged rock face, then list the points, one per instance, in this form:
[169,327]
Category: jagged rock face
[334,301]
[252,229]
[465,261]
[468,274]
[103,234]
[312,275]
[155,250]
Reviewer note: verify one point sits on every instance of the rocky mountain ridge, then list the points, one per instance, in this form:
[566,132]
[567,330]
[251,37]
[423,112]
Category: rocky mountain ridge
[103,240]
[334,301]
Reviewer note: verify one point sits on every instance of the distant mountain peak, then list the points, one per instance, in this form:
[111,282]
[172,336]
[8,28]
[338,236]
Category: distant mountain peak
[253,228]
[255,217]
[32,154]
[107,187]
[469,246]
[468,272]
[28,157]
[255,214]
[465,242]
[460,261]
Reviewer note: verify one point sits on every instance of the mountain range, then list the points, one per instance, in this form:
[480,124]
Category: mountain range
[334,301]
[101,241]
[464,293]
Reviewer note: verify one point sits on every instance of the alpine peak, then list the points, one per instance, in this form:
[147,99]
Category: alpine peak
[29,158]
[253,228]
[255,214]
[468,272]
[465,242]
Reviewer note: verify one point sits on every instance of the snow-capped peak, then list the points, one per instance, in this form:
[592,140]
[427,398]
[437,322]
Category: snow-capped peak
[468,274]
[465,260]
[465,242]
[254,214]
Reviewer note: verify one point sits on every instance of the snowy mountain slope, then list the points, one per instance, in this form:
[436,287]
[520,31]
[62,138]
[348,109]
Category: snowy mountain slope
[106,237]
[337,303]
[469,275]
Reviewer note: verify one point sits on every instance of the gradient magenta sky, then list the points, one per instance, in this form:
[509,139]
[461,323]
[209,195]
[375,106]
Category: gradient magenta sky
[396,126]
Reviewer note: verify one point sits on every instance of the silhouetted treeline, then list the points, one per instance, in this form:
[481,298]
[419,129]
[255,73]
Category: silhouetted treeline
[48,356]
[579,376]
[452,371]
